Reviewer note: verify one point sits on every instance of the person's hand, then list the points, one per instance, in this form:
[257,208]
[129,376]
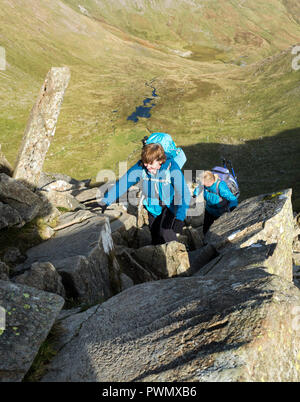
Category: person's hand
[178,226]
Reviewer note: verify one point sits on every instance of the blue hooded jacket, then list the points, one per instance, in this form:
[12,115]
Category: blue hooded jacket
[214,198]
[167,185]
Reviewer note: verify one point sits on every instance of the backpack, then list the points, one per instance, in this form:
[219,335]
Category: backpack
[229,178]
[169,146]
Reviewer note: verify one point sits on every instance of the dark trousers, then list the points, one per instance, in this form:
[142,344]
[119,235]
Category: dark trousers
[208,221]
[160,227]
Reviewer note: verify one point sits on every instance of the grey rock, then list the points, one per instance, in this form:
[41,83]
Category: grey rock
[62,199]
[201,257]
[13,255]
[30,314]
[43,276]
[194,237]
[19,197]
[126,282]
[4,271]
[83,254]
[240,328]
[165,260]
[132,268]
[9,217]
[41,126]
[48,178]
[266,218]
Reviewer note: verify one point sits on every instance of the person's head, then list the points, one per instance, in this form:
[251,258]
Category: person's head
[153,156]
[208,178]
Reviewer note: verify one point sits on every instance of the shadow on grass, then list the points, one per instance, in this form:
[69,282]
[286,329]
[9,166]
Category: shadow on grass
[263,165]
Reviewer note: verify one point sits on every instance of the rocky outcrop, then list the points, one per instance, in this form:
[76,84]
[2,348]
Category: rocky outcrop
[29,316]
[82,252]
[235,319]
[222,308]
[187,329]
[9,217]
[165,260]
[20,198]
[43,276]
[41,126]
[266,219]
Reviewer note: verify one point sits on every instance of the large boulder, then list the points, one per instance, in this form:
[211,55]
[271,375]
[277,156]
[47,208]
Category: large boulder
[4,271]
[43,276]
[19,197]
[132,268]
[241,327]
[9,217]
[29,316]
[265,218]
[82,252]
[164,260]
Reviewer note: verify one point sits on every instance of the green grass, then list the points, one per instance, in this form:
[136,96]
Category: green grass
[207,102]
[46,352]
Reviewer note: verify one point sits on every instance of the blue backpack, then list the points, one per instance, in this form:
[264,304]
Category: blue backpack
[169,146]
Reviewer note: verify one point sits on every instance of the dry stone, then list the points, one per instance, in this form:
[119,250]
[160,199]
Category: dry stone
[83,254]
[4,271]
[62,199]
[132,268]
[29,316]
[257,256]
[165,260]
[201,257]
[41,126]
[9,217]
[237,328]
[19,197]
[266,218]
[13,255]
[55,179]
[43,276]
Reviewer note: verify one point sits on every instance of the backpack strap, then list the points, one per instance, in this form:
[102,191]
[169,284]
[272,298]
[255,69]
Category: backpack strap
[156,182]
[223,205]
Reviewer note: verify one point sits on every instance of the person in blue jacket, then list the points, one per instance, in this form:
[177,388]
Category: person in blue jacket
[165,192]
[218,198]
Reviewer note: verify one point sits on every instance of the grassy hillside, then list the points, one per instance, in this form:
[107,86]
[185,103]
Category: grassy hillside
[235,95]
[226,30]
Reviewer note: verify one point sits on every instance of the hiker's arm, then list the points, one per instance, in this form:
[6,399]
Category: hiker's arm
[182,195]
[211,198]
[130,178]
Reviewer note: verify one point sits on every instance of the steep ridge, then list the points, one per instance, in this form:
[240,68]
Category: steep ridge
[211,99]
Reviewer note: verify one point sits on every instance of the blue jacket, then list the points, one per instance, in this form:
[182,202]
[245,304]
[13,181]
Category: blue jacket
[168,186]
[215,200]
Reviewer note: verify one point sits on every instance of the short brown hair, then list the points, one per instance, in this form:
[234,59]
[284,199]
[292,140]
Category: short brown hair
[153,152]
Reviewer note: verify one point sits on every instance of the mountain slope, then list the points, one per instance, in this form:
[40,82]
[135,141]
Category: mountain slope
[218,93]
[207,30]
